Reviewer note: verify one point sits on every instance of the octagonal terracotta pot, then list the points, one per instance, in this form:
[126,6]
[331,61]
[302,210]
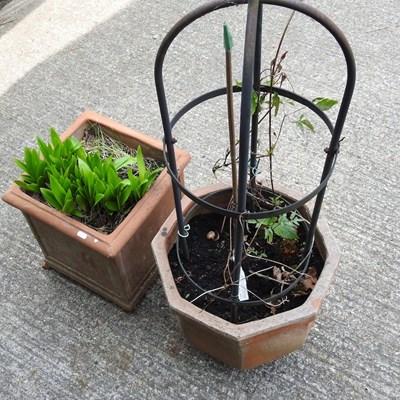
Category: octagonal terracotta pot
[254,343]
[119,266]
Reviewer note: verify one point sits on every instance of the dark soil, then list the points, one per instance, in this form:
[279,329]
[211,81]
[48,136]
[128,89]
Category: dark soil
[208,260]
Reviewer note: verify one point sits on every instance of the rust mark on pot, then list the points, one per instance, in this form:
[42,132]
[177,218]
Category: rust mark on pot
[316,303]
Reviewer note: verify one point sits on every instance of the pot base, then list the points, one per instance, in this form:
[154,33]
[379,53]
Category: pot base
[126,303]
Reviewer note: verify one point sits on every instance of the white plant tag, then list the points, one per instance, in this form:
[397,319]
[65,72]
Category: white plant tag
[243,293]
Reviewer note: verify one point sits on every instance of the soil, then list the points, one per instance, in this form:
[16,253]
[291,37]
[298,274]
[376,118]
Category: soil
[209,258]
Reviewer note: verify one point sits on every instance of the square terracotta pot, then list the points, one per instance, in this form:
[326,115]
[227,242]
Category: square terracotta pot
[254,343]
[118,266]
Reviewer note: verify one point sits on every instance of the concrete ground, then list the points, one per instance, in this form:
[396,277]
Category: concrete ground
[59,340]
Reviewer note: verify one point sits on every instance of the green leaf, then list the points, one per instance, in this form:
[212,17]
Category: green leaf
[78,150]
[50,198]
[126,191]
[154,174]
[23,166]
[82,203]
[112,177]
[44,148]
[254,102]
[84,169]
[98,198]
[133,179]
[142,188]
[111,205]
[276,102]
[76,213]
[324,103]
[30,187]
[286,231]
[58,190]
[140,164]
[55,139]
[308,124]
[268,82]
[286,227]
[269,234]
[303,122]
[296,218]
[28,158]
[68,206]
[100,186]
[123,162]
[64,182]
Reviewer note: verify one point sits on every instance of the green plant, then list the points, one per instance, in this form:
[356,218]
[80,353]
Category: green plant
[267,104]
[276,77]
[276,201]
[78,183]
[254,252]
[141,182]
[35,174]
[54,157]
[283,226]
[99,186]
[59,195]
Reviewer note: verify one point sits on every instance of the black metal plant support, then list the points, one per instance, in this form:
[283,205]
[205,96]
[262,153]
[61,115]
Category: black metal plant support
[248,123]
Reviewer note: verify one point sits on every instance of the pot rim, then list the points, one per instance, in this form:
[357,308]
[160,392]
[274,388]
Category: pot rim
[16,197]
[307,311]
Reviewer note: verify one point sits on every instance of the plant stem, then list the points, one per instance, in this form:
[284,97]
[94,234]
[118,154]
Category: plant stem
[272,78]
[255,116]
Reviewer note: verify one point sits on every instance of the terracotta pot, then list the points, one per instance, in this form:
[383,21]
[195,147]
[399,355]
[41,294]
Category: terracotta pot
[254,343]
[118,266]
